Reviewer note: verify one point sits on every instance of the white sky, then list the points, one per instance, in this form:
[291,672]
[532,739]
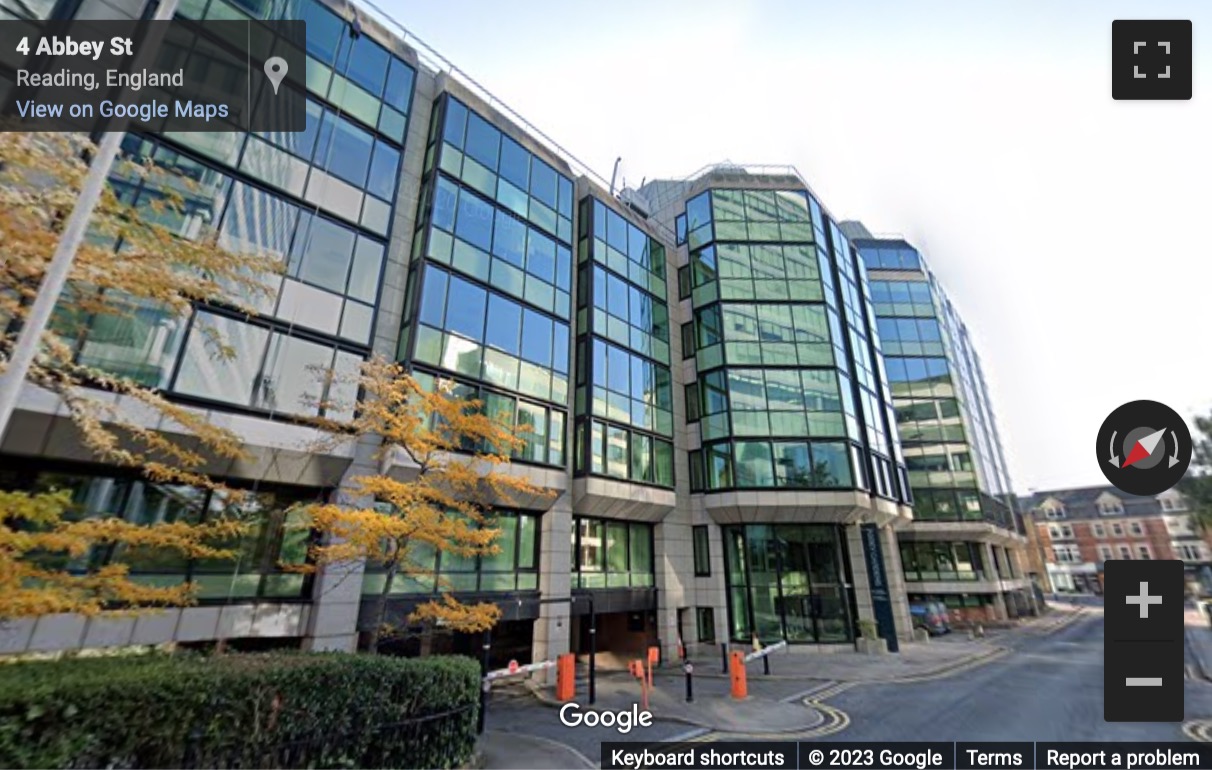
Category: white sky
[1065,226]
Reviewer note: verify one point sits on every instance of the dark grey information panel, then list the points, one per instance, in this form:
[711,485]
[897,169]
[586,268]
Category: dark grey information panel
[930,755]
[153,76]
[1143,668]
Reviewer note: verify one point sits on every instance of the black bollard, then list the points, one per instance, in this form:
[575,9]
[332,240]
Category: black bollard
[485,685]
[766,664]
[689,669]
[723,658]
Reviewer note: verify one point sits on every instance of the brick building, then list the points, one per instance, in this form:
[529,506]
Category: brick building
[1076,530]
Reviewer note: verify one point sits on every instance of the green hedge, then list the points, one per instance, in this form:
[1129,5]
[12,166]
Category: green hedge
[272,710]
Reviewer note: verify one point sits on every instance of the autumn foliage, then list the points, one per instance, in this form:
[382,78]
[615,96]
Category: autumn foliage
[456,460]
[35,539]
[130,261]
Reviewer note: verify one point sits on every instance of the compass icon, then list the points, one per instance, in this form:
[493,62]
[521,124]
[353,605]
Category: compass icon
[1144,447]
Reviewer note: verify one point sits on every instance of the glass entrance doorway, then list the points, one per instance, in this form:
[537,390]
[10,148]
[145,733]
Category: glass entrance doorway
[786,581]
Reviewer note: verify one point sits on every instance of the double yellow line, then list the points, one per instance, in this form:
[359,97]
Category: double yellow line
[1198,730]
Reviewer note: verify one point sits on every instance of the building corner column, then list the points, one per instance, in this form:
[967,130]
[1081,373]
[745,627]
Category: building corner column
[552,631]
[336,597]
[897,590]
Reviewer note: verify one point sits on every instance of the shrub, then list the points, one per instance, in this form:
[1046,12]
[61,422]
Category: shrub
[272,710]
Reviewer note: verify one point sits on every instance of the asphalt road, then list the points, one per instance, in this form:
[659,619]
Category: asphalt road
[1049,689]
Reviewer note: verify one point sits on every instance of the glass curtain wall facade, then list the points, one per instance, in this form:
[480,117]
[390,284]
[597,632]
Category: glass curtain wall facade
[789,391]
[954,457]
[624,387]
[547,299]
[273,538]
[319,200]
[489,302]
[955,462]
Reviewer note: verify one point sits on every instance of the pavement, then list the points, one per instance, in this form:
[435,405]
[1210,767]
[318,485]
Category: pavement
[508,750]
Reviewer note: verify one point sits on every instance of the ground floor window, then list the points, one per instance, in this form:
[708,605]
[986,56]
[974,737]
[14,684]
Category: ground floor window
[274,535]
[933,560]
[787,581]
[514,567]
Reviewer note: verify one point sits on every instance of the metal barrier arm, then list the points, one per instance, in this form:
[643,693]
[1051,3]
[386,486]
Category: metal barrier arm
[765,651]
[529,668]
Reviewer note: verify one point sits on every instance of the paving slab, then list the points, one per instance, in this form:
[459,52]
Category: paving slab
[499,750]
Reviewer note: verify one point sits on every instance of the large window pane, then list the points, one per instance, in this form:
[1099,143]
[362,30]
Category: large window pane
[831,464]
[322,253]
[465,308]
[515,163]
[209,371]
[383,169]
[509,239]
[753,464]
[400,78]
[483,141]
[532,425]
[536,338]
[474,223]
[345,149]
[368,62]
[294,376]
[504,324]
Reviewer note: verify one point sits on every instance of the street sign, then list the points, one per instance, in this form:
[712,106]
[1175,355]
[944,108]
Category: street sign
[688,668]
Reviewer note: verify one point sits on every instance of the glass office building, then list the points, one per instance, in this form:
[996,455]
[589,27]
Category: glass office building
[965,546]
[696,365]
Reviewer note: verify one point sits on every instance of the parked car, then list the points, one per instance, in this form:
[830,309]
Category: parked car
[931,616]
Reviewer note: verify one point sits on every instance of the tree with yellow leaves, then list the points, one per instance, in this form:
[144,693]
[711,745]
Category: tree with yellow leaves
[458,472]
[137,257]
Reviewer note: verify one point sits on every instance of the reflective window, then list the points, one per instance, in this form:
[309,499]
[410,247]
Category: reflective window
[272,537]
[541,428]
[631,389]
[902,298]
[778,335]
[761,215]
[629,316]
[477,153]
[487,336]
[786,583]
[514,566]
[630,455]
[488,243]
[623,247]
[611,554]
[765,464]
[243,364]
[757,272]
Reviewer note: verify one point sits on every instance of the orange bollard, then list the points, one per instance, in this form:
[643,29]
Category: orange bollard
[654,656]
[637,670]
[566,677]
[740,686]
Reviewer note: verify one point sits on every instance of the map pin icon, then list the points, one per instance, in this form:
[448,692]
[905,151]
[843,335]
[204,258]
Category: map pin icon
[275,70]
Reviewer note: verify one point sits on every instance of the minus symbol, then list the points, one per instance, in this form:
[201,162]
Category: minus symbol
[1143,681]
